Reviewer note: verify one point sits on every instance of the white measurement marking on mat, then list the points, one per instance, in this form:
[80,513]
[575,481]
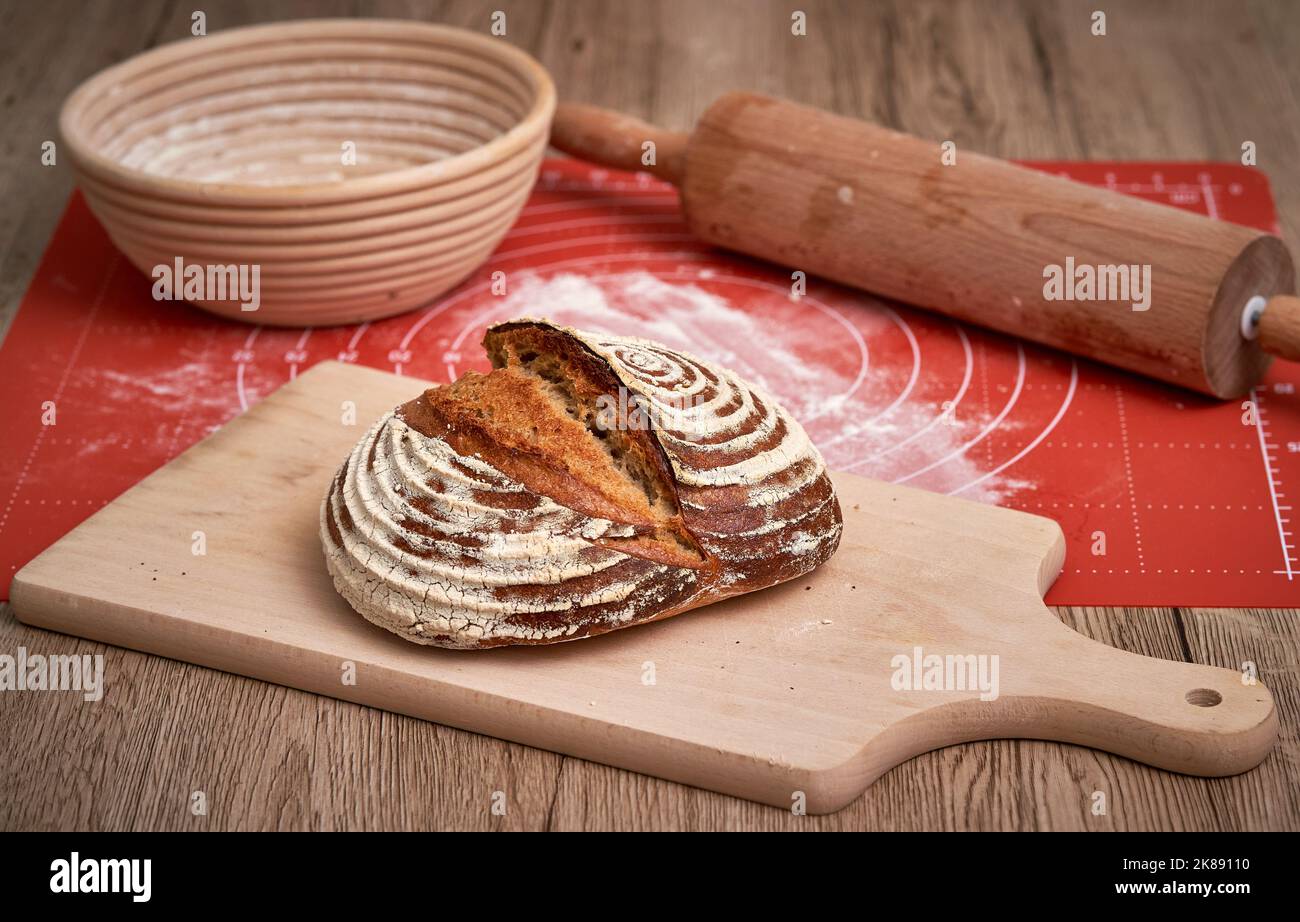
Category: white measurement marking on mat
[1265,446]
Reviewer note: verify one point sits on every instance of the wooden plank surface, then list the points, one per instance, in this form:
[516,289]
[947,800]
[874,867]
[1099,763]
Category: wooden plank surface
[1170,80]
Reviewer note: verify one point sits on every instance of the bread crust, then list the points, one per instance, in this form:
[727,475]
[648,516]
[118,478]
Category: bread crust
[433,530]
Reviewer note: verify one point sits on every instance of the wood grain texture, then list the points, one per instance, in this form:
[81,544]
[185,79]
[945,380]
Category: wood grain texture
[1173,80]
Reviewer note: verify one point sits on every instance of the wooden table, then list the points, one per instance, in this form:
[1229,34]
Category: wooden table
[1174,80]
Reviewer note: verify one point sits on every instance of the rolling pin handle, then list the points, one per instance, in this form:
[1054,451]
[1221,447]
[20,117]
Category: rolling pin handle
[1278,326]
[616,140]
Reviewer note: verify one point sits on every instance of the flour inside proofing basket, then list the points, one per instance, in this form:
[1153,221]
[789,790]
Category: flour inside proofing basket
[813,360]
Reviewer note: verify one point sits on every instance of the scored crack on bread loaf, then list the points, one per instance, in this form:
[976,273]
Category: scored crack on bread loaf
[589,482]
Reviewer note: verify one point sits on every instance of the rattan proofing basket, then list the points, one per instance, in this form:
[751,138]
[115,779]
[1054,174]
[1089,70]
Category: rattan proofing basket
[234,149]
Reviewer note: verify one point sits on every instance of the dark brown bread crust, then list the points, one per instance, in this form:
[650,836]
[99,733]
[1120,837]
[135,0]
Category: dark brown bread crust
[500,536]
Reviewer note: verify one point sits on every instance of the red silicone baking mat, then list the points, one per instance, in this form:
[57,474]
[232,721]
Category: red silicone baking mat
[1165,497]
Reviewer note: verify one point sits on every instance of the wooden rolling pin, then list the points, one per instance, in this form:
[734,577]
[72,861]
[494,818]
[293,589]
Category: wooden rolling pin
[879,210]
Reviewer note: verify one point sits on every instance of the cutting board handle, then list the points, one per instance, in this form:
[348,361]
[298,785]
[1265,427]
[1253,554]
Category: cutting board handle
[1055,684]
[1184,717]
[620,141]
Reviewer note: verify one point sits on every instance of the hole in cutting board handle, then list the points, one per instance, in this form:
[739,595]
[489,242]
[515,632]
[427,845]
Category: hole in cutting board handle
[1203,697]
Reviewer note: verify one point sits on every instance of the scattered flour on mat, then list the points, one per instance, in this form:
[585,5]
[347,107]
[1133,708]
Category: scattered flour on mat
[171,389]
[780,345]
[162,401]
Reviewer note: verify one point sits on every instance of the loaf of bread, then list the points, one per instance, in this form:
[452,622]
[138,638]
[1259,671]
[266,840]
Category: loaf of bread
[588,483]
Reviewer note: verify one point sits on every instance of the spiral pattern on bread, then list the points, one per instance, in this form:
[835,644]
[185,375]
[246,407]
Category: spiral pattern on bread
[443,547]
[752,485]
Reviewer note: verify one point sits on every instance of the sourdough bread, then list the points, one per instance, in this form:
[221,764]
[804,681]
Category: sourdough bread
[589,483]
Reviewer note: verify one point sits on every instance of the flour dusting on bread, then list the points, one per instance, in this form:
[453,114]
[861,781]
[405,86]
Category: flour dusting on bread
[504,509]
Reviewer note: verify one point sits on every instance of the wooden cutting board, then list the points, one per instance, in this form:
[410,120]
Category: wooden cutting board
[794,696]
